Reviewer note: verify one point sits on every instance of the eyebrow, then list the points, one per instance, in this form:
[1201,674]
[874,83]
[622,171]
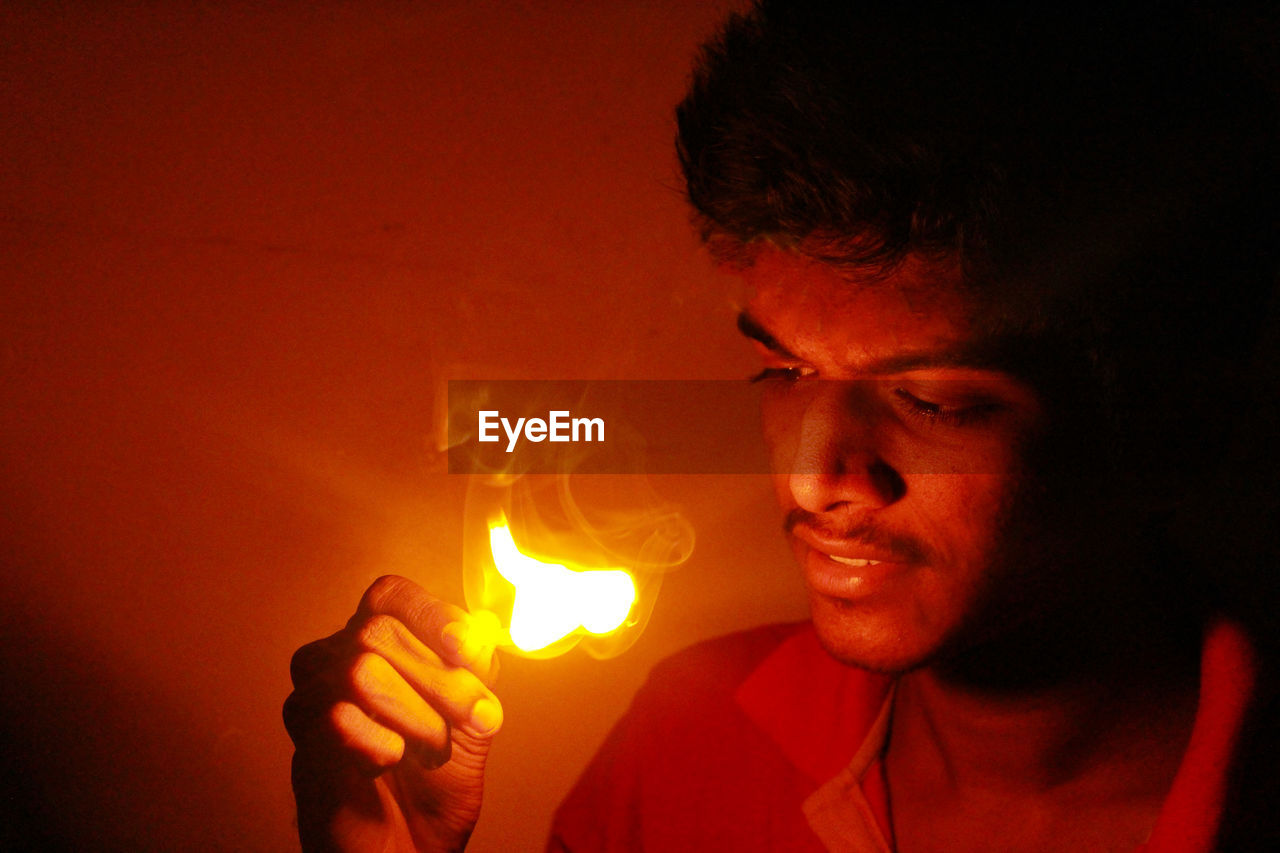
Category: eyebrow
[752,328]
[979,356]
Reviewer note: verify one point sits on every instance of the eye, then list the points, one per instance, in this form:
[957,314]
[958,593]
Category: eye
[784,374]
[965,412]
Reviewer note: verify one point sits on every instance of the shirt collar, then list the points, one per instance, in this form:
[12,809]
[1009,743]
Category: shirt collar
[816,709]
[1189,817]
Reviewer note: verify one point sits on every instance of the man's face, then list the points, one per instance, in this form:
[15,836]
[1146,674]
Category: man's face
[897,452]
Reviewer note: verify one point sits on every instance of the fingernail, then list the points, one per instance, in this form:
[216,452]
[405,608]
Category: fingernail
[453,637]
[486,716]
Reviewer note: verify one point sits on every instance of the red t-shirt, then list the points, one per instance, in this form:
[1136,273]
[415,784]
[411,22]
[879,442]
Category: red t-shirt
[761,741]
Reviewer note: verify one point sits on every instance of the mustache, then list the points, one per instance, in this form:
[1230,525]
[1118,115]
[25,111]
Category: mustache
[904,549]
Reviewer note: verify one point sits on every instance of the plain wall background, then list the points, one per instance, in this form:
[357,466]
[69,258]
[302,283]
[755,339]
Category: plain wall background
[243,247]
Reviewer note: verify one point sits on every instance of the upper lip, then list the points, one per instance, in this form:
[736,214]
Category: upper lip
[848,548]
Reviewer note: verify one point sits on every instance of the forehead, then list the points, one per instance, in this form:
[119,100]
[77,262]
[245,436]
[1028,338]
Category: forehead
[817,312]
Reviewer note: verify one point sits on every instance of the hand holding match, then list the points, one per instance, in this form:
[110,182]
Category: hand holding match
[392,718]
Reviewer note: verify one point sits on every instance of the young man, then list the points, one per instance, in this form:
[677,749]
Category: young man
[1002,273]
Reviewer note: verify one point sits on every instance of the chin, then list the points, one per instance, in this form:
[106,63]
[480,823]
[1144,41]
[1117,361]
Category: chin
[870,638]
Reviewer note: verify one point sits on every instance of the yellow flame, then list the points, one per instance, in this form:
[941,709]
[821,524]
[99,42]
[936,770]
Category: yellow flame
[553,600]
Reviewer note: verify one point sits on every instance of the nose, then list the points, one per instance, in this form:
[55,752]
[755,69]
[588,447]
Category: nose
[836,465]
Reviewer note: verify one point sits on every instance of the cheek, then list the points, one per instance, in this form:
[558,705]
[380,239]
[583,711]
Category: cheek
[962,515]
[780,420]
[914,449]
[782,411]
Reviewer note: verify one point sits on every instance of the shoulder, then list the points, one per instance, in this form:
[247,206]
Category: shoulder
[721,664]
[686,768]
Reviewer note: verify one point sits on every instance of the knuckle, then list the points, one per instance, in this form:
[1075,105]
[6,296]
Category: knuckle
[424,614]
[378,632]
[375,745]
[401,596]
[305,660]
[292,714]
[367,673]
[346,721]
[445,683]
[383,590]
[384,759]
[308,715]
[452,692]
[432,731]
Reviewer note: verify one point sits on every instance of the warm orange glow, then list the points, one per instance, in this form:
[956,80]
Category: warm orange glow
[553,600]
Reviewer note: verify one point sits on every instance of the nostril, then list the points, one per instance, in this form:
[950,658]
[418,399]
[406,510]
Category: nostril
[887,481]
[868,485]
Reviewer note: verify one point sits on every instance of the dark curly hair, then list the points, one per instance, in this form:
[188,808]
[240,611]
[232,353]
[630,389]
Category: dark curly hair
[860,132]
[1107,177]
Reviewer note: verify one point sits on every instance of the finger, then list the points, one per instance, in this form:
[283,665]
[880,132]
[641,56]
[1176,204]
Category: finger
[308,715]
[313,660]
[455,693]
[386,697]
[372,746]
[427,617]
[325,731]
[324,728]
[299,714]
[474,641]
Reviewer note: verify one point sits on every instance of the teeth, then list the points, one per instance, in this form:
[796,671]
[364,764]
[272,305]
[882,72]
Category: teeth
[849,561]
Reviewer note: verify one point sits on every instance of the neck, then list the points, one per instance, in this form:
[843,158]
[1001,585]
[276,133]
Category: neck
[1104,712]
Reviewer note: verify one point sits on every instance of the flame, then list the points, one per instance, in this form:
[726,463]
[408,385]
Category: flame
[553,600]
